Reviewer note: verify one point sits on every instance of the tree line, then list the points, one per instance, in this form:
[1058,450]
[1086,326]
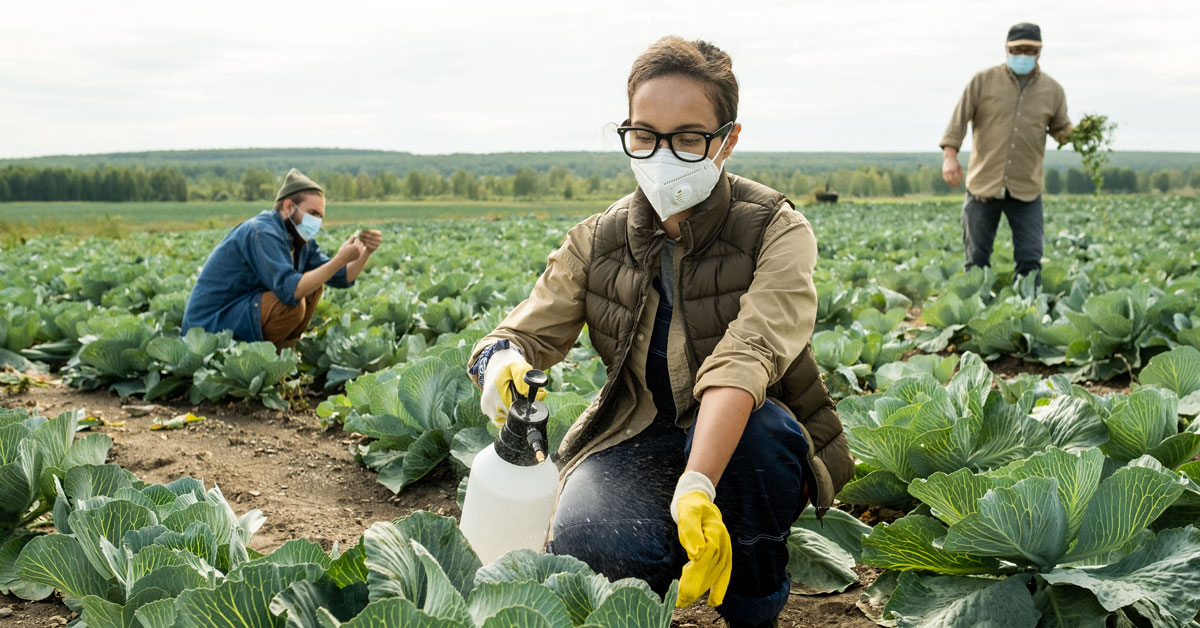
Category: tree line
[231,163]
[1122,181]
[119,184]
[107,184]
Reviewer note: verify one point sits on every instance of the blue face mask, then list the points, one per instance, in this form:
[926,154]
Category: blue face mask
[1021,64]
[308,227]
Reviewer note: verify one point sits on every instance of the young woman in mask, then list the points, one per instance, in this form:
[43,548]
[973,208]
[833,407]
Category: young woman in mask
[713,429]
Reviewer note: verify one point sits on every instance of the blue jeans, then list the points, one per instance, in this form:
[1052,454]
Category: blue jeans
[614,510]
[981,218]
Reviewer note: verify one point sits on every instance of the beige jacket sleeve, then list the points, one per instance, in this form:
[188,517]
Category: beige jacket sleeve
[964,113]
[1060,125]
[777,313]
[545,326]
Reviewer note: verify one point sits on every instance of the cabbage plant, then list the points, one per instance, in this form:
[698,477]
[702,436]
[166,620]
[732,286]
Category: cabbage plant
[413,413]
[421,571]
[1009,327]
[833,307]
[1107,334]
[348,348]
[444,316]
[822,552]
[112,352]
[249,370]
[179,358]
[1177,370]
[942,369]
[1124,427]
[946,318]
[919,427]
[18,327]
[837,354]
[848,358]
[35,452]
[58,335]
[1045,541]
[1187,328]
[131,555]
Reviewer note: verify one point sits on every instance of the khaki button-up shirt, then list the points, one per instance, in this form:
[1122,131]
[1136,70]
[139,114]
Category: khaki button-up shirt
[1008,127]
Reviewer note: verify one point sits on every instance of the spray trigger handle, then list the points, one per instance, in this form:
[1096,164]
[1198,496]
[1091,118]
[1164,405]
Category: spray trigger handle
[536,380]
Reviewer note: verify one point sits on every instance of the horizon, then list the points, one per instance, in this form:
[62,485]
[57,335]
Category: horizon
[520,152]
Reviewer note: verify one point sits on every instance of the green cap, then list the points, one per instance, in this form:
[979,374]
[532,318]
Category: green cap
[295,181]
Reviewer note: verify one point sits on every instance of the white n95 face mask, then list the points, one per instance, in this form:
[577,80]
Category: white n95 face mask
[673,185]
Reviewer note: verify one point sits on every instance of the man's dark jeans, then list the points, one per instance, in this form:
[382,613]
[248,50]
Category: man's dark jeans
[981,217]
[614,511]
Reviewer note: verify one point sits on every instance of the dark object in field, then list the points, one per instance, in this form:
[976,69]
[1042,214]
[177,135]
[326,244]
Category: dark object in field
[826,196]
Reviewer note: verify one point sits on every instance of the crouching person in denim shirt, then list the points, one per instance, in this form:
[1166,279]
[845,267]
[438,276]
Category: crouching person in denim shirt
[264,280]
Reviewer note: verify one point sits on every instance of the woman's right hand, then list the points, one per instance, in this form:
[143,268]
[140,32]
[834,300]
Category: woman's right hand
[505,371]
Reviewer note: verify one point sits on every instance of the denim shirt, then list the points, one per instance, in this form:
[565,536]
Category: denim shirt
[256,256]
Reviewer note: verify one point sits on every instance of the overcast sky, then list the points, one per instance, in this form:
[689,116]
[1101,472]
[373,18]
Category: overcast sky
[445,76]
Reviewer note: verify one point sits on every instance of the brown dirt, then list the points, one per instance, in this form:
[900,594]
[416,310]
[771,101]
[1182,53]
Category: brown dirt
[1007,367]
[871,515]
[34,614]
[835,610]
[1118,384]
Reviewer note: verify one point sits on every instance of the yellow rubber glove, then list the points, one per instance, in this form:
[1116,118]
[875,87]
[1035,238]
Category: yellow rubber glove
[505,371]
[514,373]
[703,536]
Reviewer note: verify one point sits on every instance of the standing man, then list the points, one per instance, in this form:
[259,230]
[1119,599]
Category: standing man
[264,280]
[1011,108]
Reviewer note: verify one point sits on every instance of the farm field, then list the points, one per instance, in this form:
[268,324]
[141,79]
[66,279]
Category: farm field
[965,396]
[120,219]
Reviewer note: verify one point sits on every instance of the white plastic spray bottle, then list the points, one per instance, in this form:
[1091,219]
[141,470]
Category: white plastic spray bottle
[511,489]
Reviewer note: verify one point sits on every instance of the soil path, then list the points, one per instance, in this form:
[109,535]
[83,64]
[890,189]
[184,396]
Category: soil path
[304,480]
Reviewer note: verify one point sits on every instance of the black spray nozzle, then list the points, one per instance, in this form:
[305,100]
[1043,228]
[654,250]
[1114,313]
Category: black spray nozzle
[537,443]
[522,440]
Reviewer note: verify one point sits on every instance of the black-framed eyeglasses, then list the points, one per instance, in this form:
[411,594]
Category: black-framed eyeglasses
[689,146]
